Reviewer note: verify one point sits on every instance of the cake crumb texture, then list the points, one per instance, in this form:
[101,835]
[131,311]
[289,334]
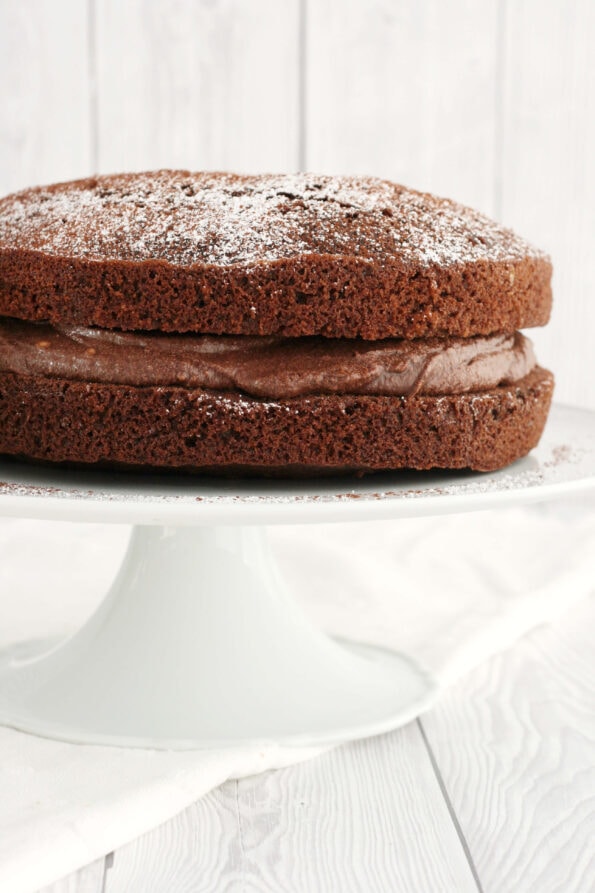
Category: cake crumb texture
[292,255]
[201,431]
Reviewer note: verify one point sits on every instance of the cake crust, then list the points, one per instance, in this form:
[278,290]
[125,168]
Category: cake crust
[291,255]
[206,431]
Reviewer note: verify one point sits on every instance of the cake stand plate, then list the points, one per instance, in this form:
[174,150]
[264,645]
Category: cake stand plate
[198,644]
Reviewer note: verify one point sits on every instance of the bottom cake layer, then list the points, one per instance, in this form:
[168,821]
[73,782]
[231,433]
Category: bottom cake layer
[55,420]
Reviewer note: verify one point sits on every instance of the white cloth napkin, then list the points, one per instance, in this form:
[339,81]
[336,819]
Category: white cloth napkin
[448,591]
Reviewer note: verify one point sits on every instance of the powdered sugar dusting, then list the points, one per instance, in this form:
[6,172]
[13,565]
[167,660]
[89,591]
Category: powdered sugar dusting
[224,219]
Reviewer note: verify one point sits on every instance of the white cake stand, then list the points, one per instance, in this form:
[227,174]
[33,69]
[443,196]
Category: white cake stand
[197,643]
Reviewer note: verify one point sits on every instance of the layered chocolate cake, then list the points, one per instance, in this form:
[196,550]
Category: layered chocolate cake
[265,324]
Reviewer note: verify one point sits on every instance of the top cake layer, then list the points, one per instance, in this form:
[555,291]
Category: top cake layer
[275,254]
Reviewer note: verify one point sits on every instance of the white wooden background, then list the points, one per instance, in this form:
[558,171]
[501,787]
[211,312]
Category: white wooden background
[491,102]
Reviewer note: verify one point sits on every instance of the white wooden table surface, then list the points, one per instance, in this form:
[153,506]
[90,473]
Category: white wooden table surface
[493,790]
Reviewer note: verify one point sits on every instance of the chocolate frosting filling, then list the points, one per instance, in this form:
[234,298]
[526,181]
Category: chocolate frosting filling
[265,367]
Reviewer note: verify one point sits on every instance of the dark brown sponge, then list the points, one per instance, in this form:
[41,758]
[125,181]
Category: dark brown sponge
[273,254]
[196,430]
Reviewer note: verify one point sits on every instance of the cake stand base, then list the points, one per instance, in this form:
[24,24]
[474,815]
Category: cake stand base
[198,644]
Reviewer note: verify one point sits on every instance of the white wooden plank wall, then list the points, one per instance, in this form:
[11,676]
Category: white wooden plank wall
[490,102]
[197,84]
[45,92]
[405,90]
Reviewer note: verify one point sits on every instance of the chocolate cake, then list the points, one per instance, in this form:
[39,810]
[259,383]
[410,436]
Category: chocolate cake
[267,324]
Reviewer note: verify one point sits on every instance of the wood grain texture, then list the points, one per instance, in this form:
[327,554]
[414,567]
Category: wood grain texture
[515,743]
[45,127]
[185,854]
[89,879]
[547,173]
[197,84]
[368,816]
[404,90]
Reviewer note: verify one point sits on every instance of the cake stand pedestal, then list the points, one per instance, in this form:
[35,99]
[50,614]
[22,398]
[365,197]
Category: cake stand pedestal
[197,643]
